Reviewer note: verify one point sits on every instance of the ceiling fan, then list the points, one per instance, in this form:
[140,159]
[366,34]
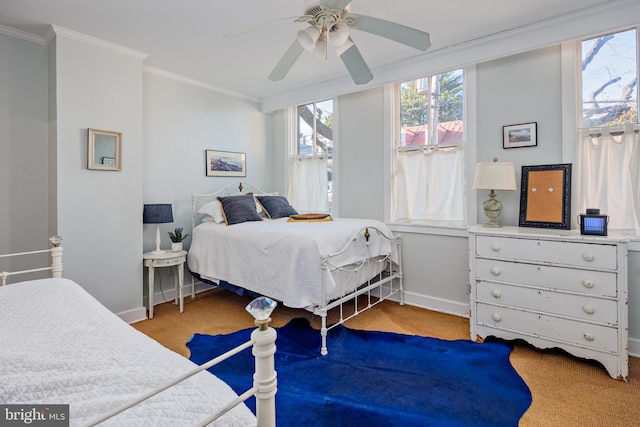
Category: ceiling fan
[330,22]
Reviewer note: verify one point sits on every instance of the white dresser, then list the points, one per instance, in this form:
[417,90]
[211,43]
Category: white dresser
[552,288]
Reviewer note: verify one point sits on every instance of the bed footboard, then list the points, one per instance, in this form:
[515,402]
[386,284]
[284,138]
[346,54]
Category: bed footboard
[385,284]
[263,344]
[55,267]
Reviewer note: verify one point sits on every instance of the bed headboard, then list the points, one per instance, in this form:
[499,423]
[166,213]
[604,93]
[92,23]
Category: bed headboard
[237,187]
[55,267]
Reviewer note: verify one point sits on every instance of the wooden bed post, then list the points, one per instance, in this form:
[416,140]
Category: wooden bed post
[265,377]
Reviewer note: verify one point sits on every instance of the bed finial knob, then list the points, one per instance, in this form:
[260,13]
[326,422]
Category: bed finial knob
[55,240]
[261,308]
[240,187]
[367,234]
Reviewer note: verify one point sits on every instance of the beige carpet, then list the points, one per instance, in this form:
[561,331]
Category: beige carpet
[566,391]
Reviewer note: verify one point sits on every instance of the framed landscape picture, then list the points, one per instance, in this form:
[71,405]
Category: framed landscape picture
[225,163]
[522,135]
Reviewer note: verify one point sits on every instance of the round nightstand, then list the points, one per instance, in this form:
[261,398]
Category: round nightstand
[166,258]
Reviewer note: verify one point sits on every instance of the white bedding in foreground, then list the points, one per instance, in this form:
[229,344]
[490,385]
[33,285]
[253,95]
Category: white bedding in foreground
[58,345]
[282,259]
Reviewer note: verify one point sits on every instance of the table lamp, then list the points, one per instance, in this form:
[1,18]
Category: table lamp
[160,213]
[494,176]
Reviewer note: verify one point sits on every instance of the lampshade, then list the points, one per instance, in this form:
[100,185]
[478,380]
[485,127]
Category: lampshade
[157,213]
[495,176]
[308,37]
[338,34]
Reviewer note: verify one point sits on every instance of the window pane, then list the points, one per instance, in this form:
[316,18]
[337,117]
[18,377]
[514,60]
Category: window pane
[315,128]
[431,110]
[609,79]
[315,136]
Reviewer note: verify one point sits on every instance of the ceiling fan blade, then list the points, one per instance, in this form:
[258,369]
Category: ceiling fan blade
[396,32]
[286,62]
[292,19]
[335,4]
[357,67]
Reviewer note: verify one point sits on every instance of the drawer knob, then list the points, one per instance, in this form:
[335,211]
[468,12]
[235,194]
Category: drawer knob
[588,257]
[589,336]
[495,271]
[588,283]
[496,293]
[589,309]
[495,247]
[496,317]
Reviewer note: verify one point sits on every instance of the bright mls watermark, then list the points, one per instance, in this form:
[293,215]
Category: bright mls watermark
[34,415]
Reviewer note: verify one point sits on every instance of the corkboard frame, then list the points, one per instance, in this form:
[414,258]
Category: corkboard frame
[545,196]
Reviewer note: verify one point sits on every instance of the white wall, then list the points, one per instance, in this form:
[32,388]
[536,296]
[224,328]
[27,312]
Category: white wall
[23,146]
[517,89]
[99,213]
[360,172]
[181,121]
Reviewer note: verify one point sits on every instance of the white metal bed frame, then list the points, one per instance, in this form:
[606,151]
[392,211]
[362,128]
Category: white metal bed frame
[375,290]
[262,342]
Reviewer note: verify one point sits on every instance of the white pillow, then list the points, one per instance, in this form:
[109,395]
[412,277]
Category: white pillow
[214,210]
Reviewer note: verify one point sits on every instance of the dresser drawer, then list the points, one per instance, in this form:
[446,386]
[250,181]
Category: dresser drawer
[601,283]
[587,255]
[164,262]
[567,305]
[544,326]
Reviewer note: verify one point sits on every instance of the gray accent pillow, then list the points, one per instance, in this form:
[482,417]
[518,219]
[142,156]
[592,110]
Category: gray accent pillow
[276,206]
[238,209]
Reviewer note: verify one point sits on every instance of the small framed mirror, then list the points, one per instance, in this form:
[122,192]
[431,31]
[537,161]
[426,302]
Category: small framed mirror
[104,150]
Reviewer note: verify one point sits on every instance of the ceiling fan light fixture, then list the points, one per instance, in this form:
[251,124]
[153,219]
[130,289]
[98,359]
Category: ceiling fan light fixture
[338,34]
[308,37]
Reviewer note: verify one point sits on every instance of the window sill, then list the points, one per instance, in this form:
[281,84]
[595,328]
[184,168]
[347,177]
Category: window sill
[437,230]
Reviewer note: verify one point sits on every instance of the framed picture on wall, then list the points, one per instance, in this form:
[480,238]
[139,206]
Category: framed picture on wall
[522,135]
[225,163]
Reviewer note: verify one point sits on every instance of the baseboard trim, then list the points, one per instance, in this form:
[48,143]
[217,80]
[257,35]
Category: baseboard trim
[134,316]
[437,304]
[161,298]
[634,347]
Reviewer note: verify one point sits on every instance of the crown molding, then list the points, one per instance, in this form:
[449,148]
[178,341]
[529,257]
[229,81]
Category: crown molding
[60,31]
[187,80]
[22,35]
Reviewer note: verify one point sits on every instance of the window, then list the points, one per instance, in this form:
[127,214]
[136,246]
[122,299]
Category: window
[610,79]
[428,151]
[608,142]
[310,168]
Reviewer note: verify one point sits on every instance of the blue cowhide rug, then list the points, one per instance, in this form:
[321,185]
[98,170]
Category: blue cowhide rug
[378,378]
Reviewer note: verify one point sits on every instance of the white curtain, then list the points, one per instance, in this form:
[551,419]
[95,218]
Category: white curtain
[308,184]
[430,185]
[609,174]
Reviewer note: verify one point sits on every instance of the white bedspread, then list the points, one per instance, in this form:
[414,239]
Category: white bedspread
[58,345]
[282,259]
